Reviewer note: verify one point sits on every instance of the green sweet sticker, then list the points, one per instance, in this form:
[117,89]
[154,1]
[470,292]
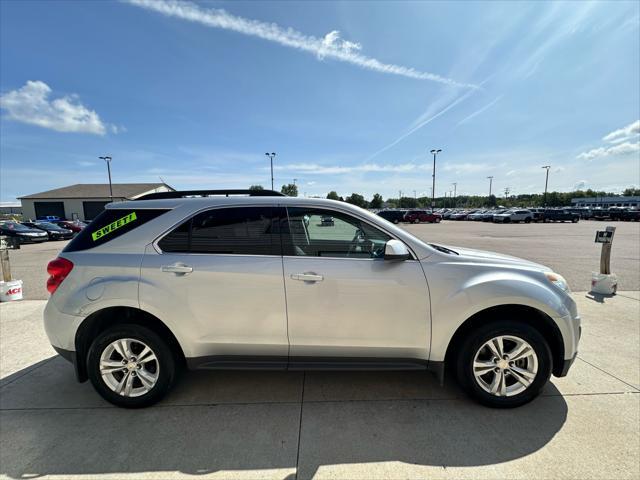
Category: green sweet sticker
[121,222]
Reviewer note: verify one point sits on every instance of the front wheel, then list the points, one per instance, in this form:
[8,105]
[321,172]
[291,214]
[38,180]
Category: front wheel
[527,220]
[131,366]
[504,364]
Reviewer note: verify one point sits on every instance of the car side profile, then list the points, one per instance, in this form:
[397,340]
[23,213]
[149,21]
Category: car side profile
[254,280]
[514,216]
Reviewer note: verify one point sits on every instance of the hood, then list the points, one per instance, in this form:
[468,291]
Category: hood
[481,256]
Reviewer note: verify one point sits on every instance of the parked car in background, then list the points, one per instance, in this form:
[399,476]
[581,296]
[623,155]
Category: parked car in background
[418,216]
[24,233]
[583,212]
[55,232]
[514,216]
[631,215]
[538,214]
[559,215]
[394,216]
[74,225]
[461,214]
[477,216]
[617,213]
[49,218]
[326,221]
[600,214]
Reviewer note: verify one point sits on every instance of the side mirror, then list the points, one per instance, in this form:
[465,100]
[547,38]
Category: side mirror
[396,250]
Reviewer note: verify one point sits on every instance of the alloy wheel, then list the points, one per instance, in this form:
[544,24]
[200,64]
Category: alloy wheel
[505,366]
[129,367]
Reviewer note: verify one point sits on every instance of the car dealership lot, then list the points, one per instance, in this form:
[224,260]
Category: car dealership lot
[340,425]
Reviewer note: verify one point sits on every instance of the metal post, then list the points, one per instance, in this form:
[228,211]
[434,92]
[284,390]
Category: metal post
[546,183]
[455,186]
[6,266]
[433,186]
[605,255]
[490,185]
[271,155]
[108,160]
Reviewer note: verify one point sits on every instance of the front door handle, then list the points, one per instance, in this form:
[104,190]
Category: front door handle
[177,268]
[307,277]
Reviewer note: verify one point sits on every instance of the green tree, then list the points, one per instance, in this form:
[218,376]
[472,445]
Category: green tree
[290,190]
[408,202]
[333,195]
[632,192]
[376,201]
[256,187]
[356,199]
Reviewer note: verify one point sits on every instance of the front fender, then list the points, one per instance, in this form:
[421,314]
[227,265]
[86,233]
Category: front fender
[452,306]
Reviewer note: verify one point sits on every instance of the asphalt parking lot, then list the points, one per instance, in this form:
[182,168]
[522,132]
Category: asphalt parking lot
[349,425]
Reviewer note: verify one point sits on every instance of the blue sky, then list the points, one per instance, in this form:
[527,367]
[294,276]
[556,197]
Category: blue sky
[351,96]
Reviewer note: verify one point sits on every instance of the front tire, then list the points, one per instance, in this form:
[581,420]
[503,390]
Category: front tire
[504,364]
[131,366]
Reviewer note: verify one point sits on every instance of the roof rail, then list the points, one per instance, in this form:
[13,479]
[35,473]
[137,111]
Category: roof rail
[209,193]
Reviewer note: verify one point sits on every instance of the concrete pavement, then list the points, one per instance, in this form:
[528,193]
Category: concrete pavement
[287,425]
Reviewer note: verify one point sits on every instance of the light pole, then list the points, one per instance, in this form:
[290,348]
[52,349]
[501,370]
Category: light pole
[546,184]
[295,180]
[271,155]
[455,191]
[108,160]
[490,185]
[433,186]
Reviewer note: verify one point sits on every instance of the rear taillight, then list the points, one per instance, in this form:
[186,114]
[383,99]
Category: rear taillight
[58,270]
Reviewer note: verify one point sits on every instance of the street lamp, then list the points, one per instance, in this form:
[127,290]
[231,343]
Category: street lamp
[546,183]
[490,185]
[108,160]
[271,155]
[455,186]
[433,187]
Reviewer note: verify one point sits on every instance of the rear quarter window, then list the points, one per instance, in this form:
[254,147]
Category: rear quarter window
[110,224]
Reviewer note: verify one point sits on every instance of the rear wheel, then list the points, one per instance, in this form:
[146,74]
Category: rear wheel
[527,220]
[506,220]
[131,366]
[504,364]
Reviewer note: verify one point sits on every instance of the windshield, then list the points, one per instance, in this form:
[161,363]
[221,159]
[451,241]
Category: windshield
[18,227]
[47,226]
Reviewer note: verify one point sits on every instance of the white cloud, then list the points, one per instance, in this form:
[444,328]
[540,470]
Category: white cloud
[330,46]
[624,140]
[623,134]
[626,148]
[31,104]
[462,168]
[314,168]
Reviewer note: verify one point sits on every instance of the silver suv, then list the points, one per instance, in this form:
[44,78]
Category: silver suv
[239,279]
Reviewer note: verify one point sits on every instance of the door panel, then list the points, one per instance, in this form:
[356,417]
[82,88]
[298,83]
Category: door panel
[219,282]
[343,299]
[361,308]
[228,304]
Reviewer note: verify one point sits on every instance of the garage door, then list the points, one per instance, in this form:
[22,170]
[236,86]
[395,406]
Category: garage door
[49,208]
[92,209]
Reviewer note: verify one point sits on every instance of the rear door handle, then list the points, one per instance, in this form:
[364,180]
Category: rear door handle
[307,277]
[177,268]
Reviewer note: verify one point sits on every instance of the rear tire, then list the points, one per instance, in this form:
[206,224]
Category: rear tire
[513,382]
[131,366]
[527,220]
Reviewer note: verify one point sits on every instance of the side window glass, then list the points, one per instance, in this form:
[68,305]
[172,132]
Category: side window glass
[178,240]
[237,231]
[325,233]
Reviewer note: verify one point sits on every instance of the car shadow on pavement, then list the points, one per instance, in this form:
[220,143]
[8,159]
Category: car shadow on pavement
[254,424]
[598,297]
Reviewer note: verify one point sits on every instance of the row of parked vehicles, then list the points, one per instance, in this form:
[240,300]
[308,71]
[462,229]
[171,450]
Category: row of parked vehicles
[41,230]
[410,216]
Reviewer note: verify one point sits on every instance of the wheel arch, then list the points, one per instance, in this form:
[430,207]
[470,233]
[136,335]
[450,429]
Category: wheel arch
[107,317]
[523,313]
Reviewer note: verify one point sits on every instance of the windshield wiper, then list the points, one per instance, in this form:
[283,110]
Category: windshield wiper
[442,249]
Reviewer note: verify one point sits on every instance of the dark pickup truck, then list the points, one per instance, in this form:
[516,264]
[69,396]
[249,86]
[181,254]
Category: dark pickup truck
[560,216]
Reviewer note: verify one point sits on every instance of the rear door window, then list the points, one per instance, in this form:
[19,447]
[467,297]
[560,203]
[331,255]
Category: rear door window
[111,224]
[230,231]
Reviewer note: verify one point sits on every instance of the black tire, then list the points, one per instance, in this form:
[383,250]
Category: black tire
[165,358]
[506,220]
[478,337]
[396,221]
[574,220]
[527,220]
